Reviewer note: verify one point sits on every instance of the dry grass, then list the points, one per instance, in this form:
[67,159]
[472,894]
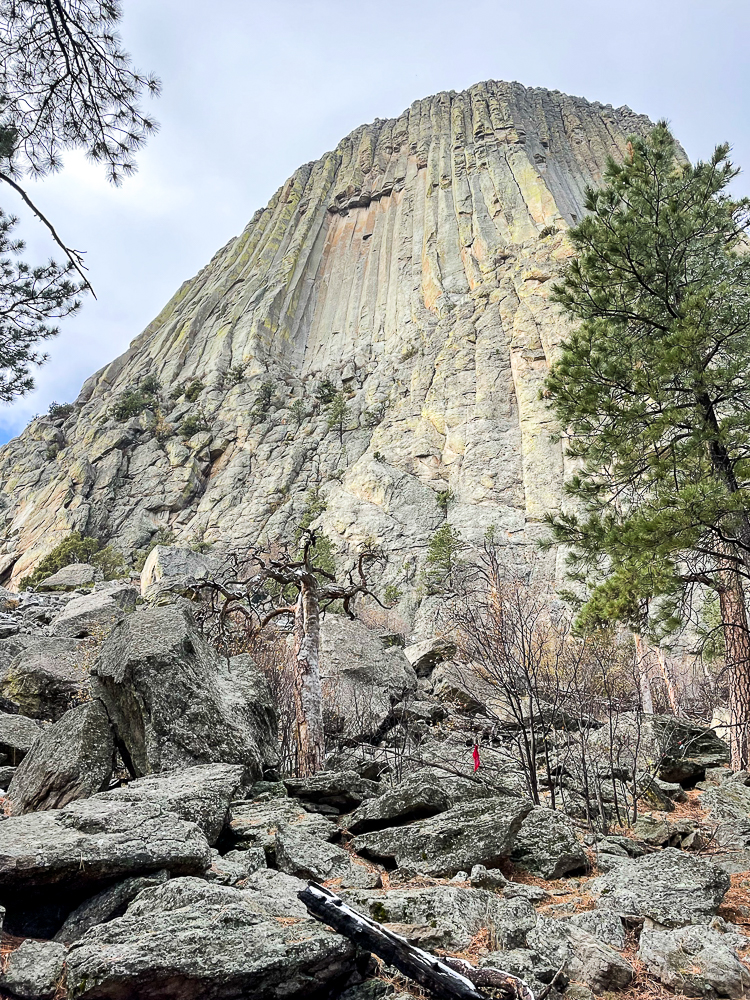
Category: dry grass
[736,906]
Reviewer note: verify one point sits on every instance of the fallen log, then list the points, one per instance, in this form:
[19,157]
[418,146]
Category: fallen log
[446,978]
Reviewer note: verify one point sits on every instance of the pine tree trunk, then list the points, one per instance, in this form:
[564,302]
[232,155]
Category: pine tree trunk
[308,692]
[668,681]
[737,655]
[644,685]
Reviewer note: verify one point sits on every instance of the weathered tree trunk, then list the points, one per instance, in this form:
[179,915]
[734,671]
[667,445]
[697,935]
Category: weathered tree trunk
[737,655]
[668,681]
[644,684]
[308,692]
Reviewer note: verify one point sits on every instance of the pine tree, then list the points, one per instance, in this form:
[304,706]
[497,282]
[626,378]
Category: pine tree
[653,390]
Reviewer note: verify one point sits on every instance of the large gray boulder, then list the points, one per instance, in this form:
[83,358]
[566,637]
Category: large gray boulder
[72,759]
[175,702]
[199,794]
[47,677]
[256,824]
[92,615]
[34,970]
[174,569]
[69,577]
[583,955]
[106,905]
[196,940]
[546,845]
[361,674]
[455,913]
[298,853]
[338,791]
[472,833]
[670,887]
[17,736]
[728,801]
[424,656]
[424,793]
[94,840]
[696,961]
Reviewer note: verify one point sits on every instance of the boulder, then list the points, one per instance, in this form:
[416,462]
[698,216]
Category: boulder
[546,845]
[92,615]
[106,905]
[69,577]
[730,800]
[71,759]
[6,776]
[175,569]
[423,793]
[670,887]
[199,794]
[298,853]
[34,970]
[255,824]
[583,956]
[55,859]
[424,656]
[47,677]
[472,833]
[695,961]
[338,791]
[360,673]
[456,913]
[194,939]
[235,866]
[604,925]
[175,702]
[17,736]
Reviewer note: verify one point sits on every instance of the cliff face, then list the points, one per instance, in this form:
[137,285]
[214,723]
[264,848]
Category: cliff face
[411,267]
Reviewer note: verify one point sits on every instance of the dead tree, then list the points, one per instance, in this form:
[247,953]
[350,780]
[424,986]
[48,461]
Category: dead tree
[276,584]
[446,978]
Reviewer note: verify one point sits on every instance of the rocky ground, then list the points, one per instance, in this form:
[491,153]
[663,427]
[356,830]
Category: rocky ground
[152,849]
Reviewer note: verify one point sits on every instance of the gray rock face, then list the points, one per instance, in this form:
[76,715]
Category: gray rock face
[93,615]
[69,577]
[730,800]
[17,736]
[298,853]
[340,791]
[466,318]
[256,824]
[584,956]
[174,701]
[361,674]
[474,833]
[194,939]
[174,568]
[547,845]
[106,905]
[424,793]
[71,760]
[199,794]
[93,840]
[34,970]
[696,961]
[457,914]
[46,678]
[424,656]
[670,887]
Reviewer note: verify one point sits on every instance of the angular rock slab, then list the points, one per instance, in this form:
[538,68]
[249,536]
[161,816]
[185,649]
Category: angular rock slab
[69,577]
[195,940]
[34,970]
[256,824]
[696,961]
[96,839]
[473,833]
[422,794]
[670,887]
[71,760]
[175,702]
[199,794]
[47,677]
[93,615]
[338,790]
[298,853]
[17,736]
[458,913]
[547,845]
[106,905]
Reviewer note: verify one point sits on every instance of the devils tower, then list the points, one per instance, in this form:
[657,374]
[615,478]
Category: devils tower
[407,271]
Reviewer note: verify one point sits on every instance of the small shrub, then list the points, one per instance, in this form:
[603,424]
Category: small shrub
[326,392]
[177,392]
[315,506]
[379,456]
[199,542]
[444,498]
[192,424]
[263,400]
[194,390]
[130,404]
[74,548]
[110,562]
[298,411]
[236,374]
[59,411]
[374,416]
[150,386]
[52,452]
[392,594]
[547,231]
[338,414]
[442,559]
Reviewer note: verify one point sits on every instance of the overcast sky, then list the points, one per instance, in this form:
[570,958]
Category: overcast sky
[252,89]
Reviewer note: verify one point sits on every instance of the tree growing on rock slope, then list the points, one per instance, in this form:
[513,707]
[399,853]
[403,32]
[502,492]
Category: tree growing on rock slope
[279,583]
[65,83]
[653,390]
